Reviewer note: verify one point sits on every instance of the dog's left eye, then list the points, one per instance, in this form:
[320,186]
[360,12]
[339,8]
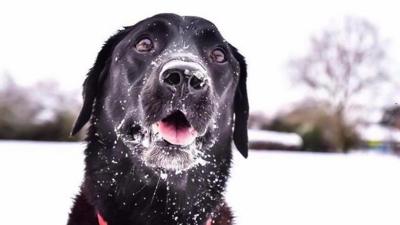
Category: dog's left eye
[144,45]
[218,55]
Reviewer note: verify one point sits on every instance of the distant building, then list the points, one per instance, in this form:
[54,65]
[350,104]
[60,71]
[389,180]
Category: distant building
[391,117]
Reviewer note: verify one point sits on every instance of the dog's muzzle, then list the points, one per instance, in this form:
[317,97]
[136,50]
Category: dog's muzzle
[182,77]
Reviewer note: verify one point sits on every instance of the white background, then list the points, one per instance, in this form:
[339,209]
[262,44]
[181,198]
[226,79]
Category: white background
[60,39]
[39,180]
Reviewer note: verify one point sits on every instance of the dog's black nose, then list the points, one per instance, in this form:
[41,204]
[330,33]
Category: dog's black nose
[184,74]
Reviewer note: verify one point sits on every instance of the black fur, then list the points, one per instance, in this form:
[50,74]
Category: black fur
[124,97]
[241,107]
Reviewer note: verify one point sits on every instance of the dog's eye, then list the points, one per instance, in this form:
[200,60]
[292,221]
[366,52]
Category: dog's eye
[144,45]
[218,55]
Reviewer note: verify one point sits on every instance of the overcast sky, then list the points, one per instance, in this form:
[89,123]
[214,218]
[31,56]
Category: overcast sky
[59,40]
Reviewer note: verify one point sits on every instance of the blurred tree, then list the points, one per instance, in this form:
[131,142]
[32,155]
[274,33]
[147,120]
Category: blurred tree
[343,68]
[39,112]
[259,121]
[313,121]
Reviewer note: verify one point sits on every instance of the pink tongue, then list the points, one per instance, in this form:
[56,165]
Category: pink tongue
[180,136]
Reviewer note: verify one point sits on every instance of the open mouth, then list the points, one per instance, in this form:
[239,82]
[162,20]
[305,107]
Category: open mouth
[176,129]
[171,143]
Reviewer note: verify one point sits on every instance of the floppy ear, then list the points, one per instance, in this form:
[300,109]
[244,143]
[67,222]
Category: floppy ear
[95,77]
[241,107]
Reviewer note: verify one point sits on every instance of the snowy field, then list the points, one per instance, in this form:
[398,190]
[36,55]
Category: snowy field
[38,181]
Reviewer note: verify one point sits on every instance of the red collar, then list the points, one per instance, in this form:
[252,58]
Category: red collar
[103,222]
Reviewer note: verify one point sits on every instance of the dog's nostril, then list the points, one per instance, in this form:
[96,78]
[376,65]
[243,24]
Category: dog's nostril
[196,83]
[173,78]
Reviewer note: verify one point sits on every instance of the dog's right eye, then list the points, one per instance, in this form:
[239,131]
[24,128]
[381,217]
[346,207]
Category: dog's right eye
[218,55]
[144,45]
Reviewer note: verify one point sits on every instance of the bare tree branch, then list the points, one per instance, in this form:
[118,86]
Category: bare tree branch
[343,63]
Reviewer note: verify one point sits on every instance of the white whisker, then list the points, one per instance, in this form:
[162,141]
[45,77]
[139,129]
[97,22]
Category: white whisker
[155,190]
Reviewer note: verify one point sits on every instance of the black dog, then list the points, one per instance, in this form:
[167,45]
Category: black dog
[165,97]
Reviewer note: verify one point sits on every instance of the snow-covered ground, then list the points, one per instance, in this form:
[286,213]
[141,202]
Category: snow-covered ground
[38,181]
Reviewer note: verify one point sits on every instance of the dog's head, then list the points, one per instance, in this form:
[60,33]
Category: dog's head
[169,89]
